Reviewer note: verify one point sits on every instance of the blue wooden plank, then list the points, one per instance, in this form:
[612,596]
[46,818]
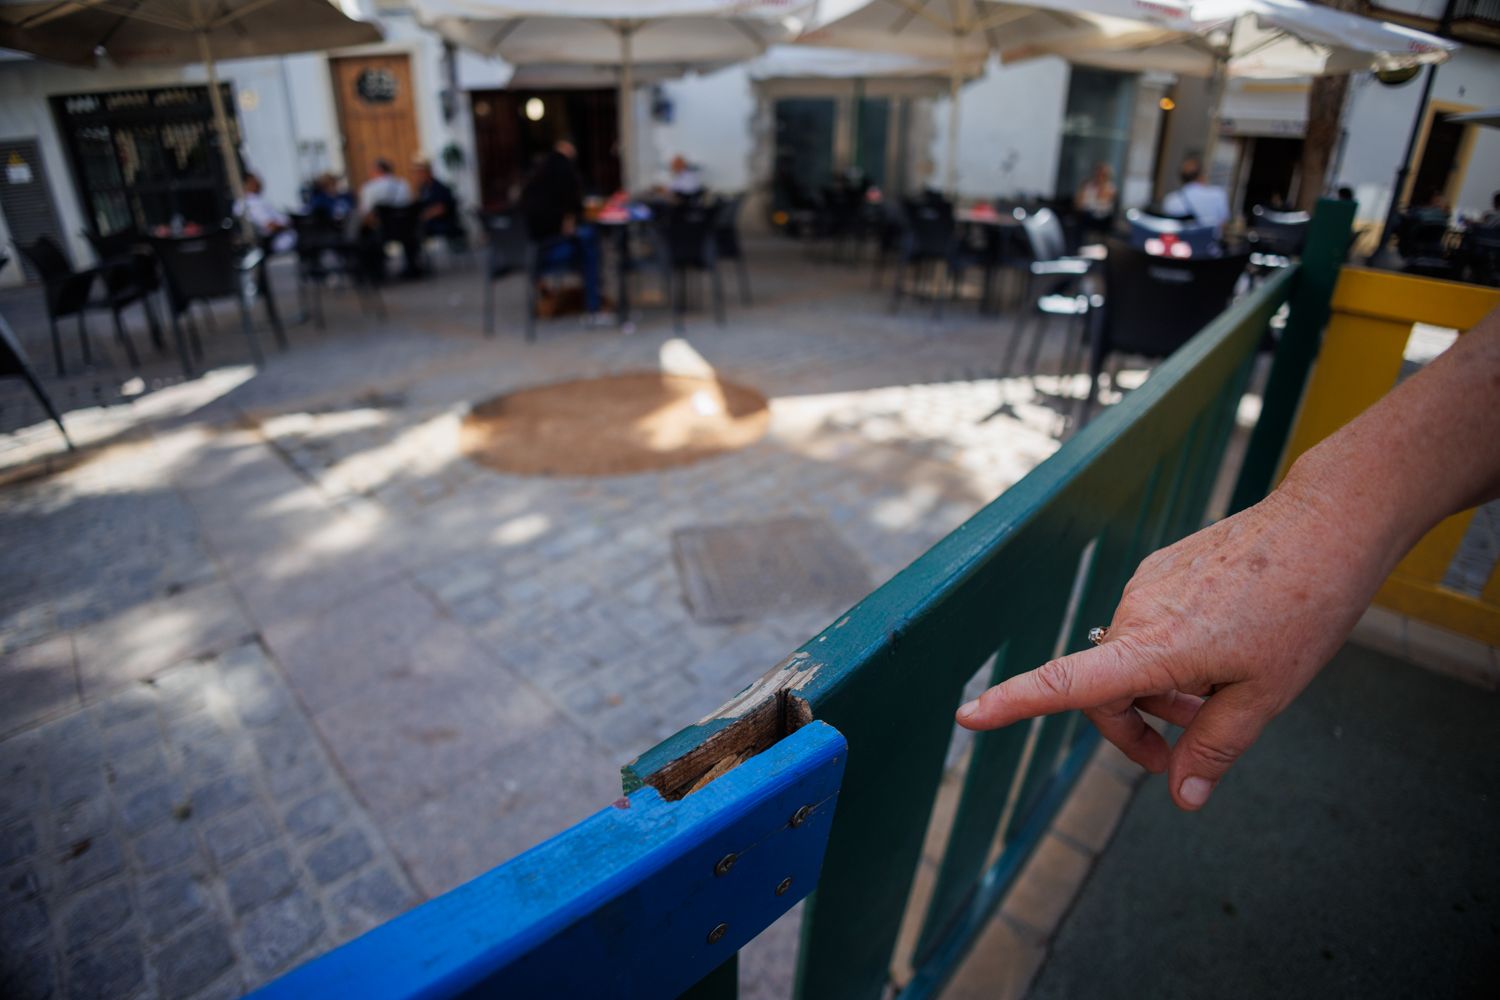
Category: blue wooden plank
[635,901]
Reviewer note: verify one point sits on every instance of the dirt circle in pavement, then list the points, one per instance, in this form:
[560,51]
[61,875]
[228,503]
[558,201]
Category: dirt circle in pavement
[613,426]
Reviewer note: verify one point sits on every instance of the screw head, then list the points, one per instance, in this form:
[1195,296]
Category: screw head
[783,886]
[725,863]
[717,933]
[800,816]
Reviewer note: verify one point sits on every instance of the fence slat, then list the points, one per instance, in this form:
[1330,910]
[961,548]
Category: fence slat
[630,902]
[996,759]
[1322,256]
[890,673]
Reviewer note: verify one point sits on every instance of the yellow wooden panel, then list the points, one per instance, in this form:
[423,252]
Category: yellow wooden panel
[1404,298]
[1429,561]
[1491,592]
[1373,312]
[1444,608]
[1359,362]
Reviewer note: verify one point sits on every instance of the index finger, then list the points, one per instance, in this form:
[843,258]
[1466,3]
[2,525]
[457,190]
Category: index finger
[1105,673]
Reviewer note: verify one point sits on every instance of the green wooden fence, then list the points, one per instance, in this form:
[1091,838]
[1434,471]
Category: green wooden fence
[1021,581]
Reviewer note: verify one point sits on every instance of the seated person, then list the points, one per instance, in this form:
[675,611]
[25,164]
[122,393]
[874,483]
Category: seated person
[385,188]
[436,207]
[684,179]
[1206,204]
[552,205]
[328,198]
[272,225]
[1096,196]
[1491,218]
[1433,210]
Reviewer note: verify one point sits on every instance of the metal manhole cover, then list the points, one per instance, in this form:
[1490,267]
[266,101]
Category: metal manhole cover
[736,571]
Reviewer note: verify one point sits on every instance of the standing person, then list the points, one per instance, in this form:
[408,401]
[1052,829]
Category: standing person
[552,204]
[1207,204]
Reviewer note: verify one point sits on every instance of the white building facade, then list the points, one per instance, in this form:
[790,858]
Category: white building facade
[1033,129]
[287,109]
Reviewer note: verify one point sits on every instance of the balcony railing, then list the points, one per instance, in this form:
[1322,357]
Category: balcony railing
[730,821]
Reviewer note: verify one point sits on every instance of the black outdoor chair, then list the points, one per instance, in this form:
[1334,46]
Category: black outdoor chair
[840,215]
[685,237]
[1054,283]
[727,241]
[1480,253]
[887,226]
[929,240]
[209,267]
[324,253]
[130,268]
[1421,239]
[508,250]
[1275,238]
[1153,305]
[1144,227]
[70,293]
[13,363]
[402,224]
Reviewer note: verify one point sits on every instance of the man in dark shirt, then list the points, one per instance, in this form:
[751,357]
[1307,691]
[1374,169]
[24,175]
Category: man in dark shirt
[552,205]
[436,206]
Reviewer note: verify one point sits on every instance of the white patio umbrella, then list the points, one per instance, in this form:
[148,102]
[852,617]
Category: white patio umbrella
[663,34]
[1259,39]
[181,32]
[782,62]
[963,33]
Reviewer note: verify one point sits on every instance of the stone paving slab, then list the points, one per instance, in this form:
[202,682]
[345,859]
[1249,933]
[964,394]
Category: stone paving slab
[285,663]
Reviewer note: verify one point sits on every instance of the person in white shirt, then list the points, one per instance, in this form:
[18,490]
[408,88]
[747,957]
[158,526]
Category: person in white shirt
[1207,204]
[268,221]
[683,179]
[384,188]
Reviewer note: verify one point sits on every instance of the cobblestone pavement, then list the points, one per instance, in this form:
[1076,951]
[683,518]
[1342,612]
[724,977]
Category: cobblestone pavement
[278,664]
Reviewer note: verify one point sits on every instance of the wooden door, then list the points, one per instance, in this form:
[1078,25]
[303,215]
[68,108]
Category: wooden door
[376,113]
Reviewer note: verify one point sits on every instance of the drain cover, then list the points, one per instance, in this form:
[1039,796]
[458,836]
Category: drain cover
[736,571]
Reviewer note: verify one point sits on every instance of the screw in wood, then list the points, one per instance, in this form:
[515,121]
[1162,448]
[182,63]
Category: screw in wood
[725,863]
[800,816]
[718,932]
[783,886]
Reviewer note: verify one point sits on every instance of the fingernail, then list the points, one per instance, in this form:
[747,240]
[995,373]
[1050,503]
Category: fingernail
[968,708]
[1195,791]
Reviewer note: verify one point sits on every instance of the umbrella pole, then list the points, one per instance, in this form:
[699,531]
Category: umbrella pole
[627,110]
[1393,214]
[227,151]
[955,84]
[1216,88]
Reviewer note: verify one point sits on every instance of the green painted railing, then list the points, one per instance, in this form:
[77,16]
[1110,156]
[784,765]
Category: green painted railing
[1021,581]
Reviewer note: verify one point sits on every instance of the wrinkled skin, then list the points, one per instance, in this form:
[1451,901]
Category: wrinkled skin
[1221,631]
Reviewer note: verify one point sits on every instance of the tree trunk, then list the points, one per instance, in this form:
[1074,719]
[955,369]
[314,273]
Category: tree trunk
[1325,108]
[1325,113]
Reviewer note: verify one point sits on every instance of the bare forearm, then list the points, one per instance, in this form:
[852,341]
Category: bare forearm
[1249,609]
[1429,448]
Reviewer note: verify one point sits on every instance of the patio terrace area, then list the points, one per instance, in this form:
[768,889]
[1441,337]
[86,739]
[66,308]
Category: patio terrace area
[279,662]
